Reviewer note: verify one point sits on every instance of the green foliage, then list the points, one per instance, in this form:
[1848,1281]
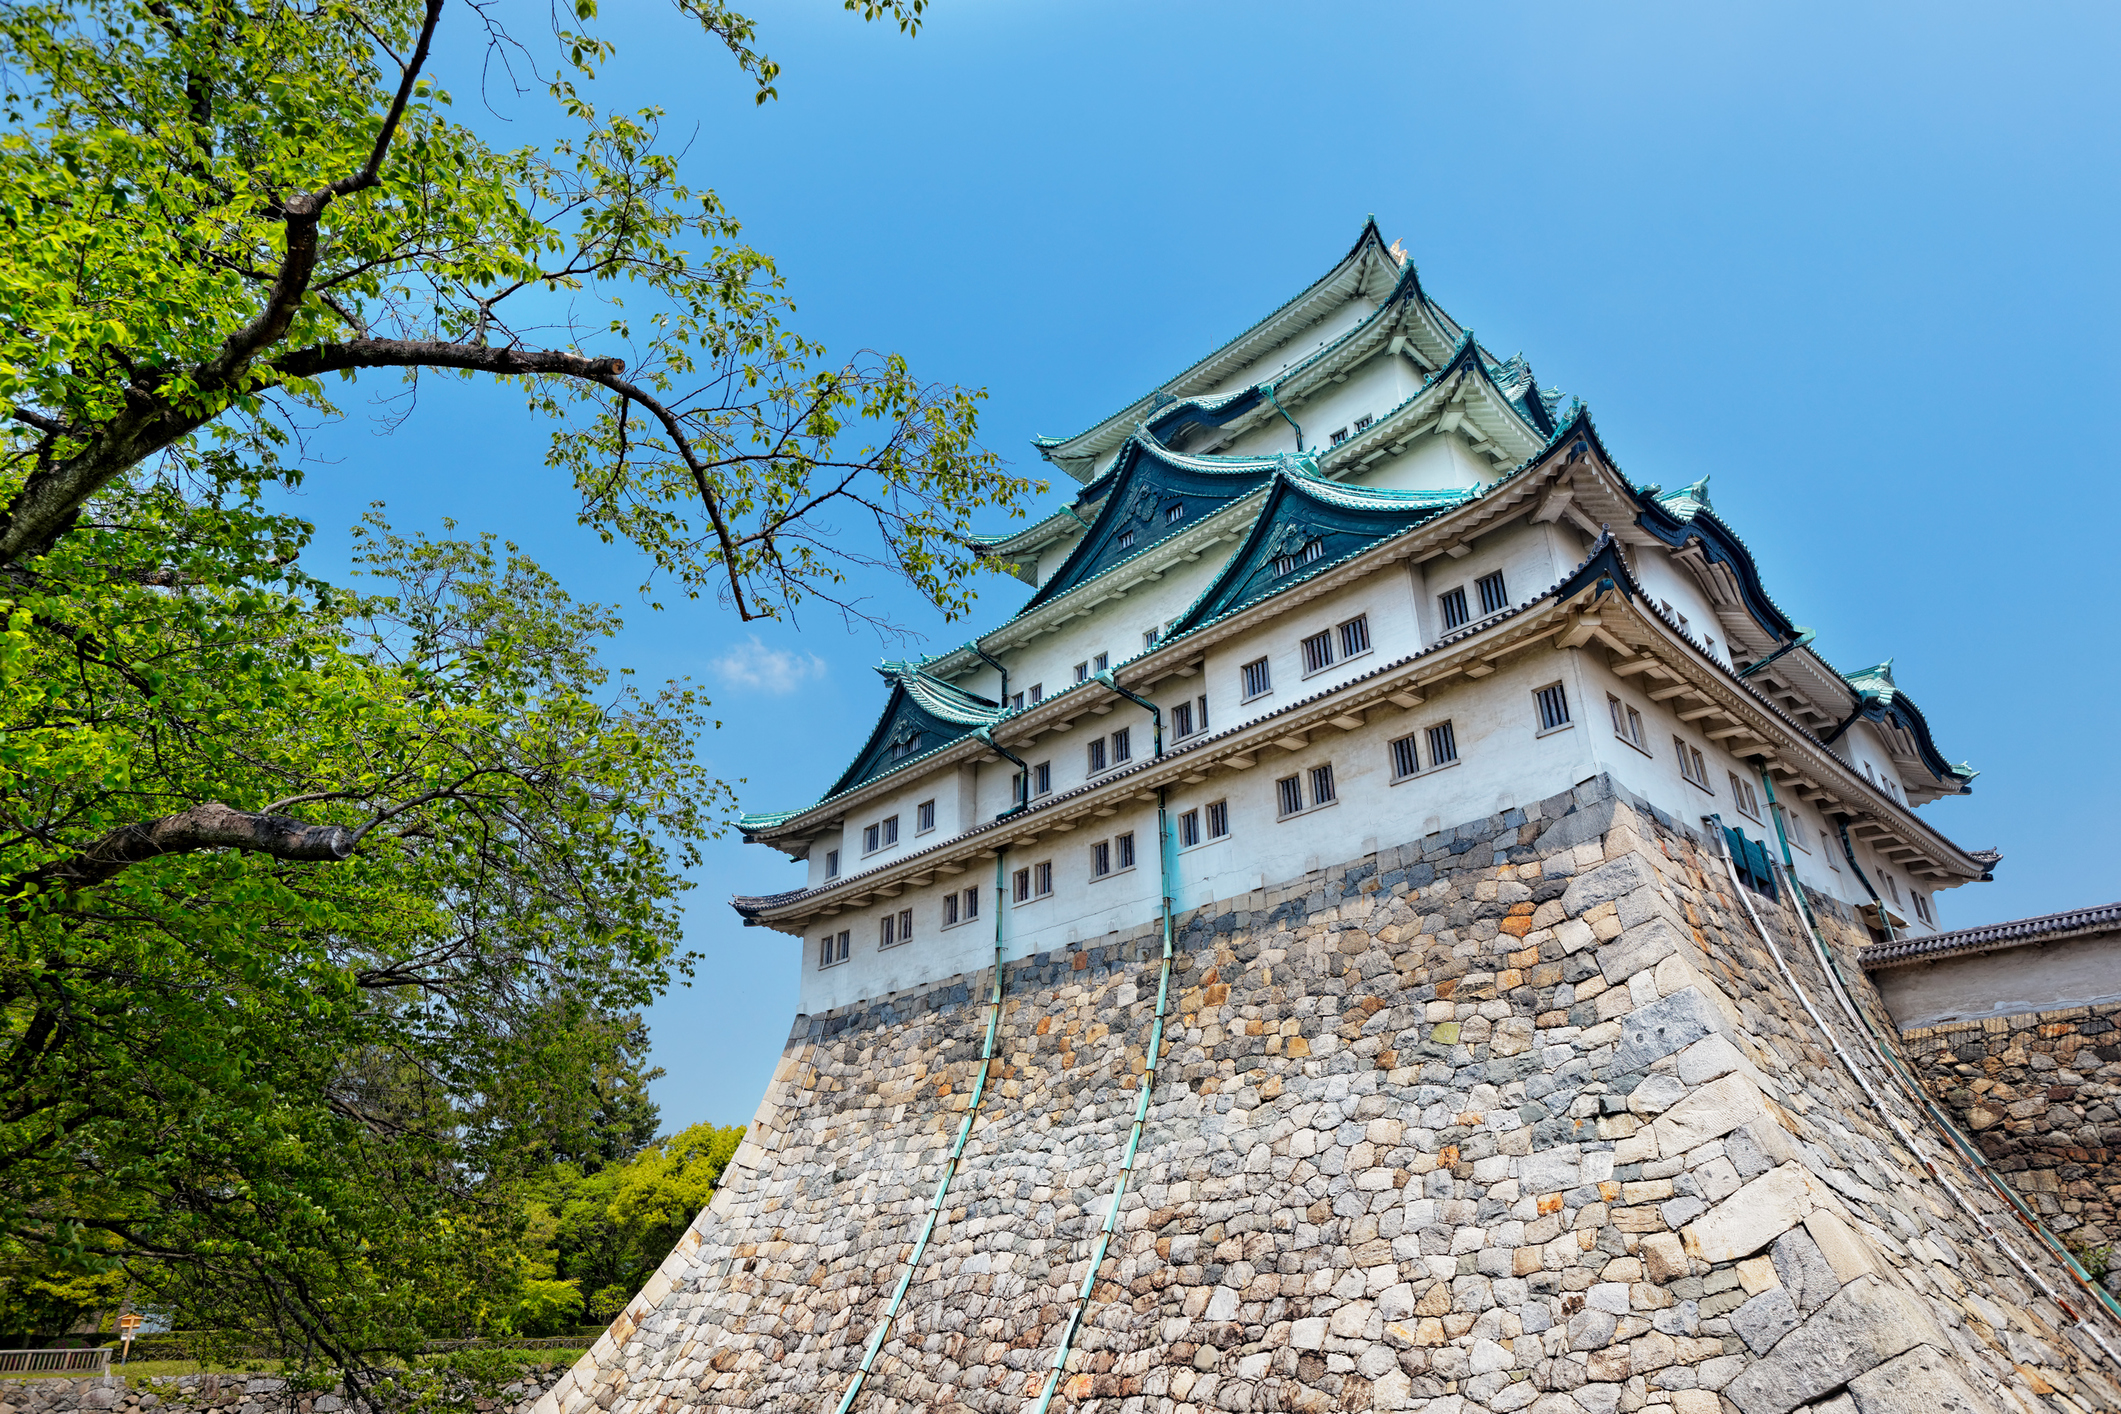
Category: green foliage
[606,1231]
[295,1095]
[547,1307]
[211,212]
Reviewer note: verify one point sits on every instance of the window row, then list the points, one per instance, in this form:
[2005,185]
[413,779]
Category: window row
[883,834]
[1349,639]
[1493,594]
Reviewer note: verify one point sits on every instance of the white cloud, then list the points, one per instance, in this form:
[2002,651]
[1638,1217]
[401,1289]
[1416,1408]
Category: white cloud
[776,670]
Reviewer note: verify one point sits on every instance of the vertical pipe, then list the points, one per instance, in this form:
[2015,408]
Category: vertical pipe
[957,1151]
[1150,1057]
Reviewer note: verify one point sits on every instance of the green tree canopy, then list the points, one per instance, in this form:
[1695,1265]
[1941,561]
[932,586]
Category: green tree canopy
[328,912]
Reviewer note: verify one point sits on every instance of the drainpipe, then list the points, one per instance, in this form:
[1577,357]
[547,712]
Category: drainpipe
[1268,389]
[1804,636]
[1156,713]
[1023,773]
[1884,915]
[995,664]
[950,1166]
[1150,1059]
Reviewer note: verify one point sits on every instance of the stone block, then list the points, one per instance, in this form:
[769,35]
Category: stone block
[1848,1252]
[1710,1112]
[1754,1216]
[1549,1170]
[1922,1381]
[1656,1095]
[1865,1325]
[1653,1032]
[1707,1059]
[1611,880]
[1663,1258]
[1765,1319]
[1804,1270]
[1309,1333]
[1640,948]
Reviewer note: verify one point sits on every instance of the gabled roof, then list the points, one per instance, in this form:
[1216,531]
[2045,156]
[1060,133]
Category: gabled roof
[1146,484]
[1300,513]
[923,714]
[1685,518]
[1462,396]
[1368,270]
[1881,701]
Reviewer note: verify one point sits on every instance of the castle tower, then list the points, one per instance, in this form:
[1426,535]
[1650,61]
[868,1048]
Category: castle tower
[1373,931]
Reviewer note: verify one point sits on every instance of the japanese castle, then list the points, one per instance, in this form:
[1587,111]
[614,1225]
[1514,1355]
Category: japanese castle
[1349,580]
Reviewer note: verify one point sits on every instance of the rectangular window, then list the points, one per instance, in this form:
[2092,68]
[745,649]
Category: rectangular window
[1744,797]
[890,830]
[1016,702]
[1219,820]
[1125,540]
[1182,720]
[887,931]
[1627,724]
[1202,715]
[1892,885]
[832,864]
[1258,682]
[1038,693]
[971,903]
[1493,597]
[1042,879]
[1443,745]
[1318,652]
[1100,859]
[1362,423]
[1792,828]
[1082,672]
[1097,754]
[1101,662]
[1290,793]
[1322,785]
[1453,603]
[835,948]
[1022,883]
[872,836]
[1123,745]
[1174,513]
[1124,847]
[905,925]
[1922,908]
[1339,435]
[1042,778]
[924,817]
[1826,847]
[1691,765]
[1355,636]
[1553,703]
[1406,759]
[1189,829]
[949,909]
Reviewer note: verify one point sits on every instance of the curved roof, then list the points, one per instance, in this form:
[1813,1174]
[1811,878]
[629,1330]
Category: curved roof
[1879,699]
[1150,493]
[922,714]
[1305,526]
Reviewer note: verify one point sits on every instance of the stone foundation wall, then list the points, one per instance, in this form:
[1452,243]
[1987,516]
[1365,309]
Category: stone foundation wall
[252,1393]
[1521,1115]
[2041,1094]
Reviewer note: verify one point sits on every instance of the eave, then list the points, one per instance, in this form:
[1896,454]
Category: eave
[1367,270]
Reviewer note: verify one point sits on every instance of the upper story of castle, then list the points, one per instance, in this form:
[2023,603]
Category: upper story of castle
[1347,579]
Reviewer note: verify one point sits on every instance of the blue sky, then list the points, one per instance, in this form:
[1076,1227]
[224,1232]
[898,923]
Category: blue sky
[1854,262]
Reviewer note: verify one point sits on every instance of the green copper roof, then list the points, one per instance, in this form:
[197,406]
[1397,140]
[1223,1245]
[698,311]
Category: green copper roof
[923,714]
[1153,493]
[1306,526]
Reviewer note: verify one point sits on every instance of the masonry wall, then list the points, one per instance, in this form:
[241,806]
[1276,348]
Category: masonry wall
[1521,1115]
[2041,1094]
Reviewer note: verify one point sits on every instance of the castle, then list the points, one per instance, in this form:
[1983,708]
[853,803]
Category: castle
[1375,929]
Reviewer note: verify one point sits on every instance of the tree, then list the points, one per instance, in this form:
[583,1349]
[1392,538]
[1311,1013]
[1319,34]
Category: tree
[325,912]
[209,209]
[292,1090]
